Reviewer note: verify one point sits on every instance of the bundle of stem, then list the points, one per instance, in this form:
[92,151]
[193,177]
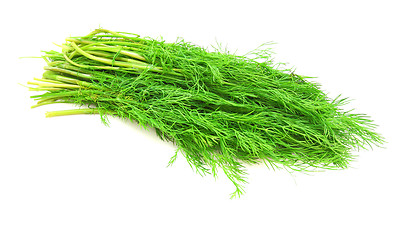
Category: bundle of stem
[223,111]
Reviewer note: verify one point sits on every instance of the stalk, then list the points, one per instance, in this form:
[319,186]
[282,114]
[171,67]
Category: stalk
[72,112]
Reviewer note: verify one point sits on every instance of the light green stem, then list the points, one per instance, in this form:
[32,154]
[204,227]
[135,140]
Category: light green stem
[72,112]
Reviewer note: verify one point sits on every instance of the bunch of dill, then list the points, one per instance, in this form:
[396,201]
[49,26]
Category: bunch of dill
[222,111]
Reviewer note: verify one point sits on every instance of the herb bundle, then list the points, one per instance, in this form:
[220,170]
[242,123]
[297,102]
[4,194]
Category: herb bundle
[223,111]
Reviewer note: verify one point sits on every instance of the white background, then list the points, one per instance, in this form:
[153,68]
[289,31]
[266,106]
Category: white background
[74,178]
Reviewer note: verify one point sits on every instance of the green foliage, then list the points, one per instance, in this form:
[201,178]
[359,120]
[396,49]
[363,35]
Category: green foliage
[222,111]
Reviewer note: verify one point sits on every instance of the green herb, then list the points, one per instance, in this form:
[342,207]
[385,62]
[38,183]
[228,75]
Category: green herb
[223,111]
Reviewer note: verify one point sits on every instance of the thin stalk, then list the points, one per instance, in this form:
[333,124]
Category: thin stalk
[72,112]
[43,89]
[105,60]
[114,50]
[72,73]
[107,43]
[44,103]
[107,55]
[54,85]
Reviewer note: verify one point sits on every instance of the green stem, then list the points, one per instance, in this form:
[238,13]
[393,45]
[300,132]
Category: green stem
[72,112]
[104,60]
[54,85]
[72,73]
